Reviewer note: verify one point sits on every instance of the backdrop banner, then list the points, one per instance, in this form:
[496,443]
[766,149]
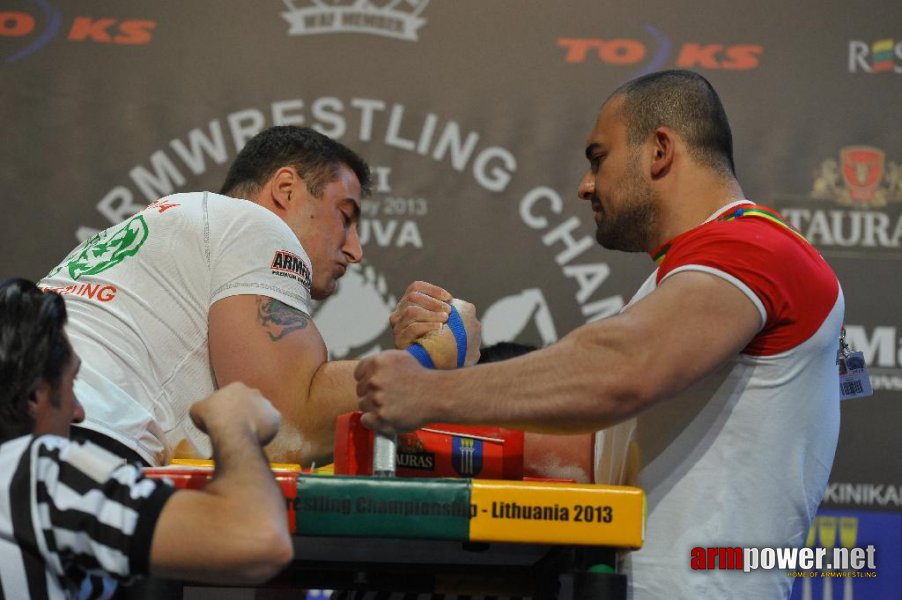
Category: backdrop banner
[474,117]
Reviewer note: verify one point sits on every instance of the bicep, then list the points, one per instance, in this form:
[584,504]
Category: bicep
[267,345]
[693,323]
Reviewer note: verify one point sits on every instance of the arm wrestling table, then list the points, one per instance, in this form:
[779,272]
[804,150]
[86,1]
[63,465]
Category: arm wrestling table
[451,536]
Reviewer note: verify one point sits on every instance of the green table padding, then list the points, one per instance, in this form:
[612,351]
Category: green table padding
[383,507]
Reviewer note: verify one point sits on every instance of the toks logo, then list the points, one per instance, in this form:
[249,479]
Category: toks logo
[867,192]
[655,54]
[878,57]
[399,19]
[36,29]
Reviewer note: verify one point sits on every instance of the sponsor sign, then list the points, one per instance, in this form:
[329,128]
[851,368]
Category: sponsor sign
[880,56]
[398,19]
[27,27]
[840,533]
[291,265]
[876,496]
[656,50]
[854,208]
[466,456]
[881,348]
[413,455]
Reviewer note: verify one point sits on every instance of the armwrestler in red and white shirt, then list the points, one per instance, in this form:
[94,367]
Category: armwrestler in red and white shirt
[725,358]
[741,458]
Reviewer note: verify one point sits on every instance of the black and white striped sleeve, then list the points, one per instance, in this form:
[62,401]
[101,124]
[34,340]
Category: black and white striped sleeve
[90,513]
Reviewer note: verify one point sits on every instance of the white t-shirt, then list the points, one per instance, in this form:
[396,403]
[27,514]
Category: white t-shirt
[138,296]
[742,458]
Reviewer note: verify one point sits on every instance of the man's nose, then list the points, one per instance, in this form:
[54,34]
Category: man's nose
[586,186]
[78,413]
[353,249]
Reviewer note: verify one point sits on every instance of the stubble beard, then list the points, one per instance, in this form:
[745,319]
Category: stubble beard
[629,230]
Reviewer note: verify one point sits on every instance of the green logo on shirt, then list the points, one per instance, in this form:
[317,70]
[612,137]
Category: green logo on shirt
[106,250]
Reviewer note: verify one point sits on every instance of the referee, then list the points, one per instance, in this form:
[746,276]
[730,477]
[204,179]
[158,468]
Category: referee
[76,521]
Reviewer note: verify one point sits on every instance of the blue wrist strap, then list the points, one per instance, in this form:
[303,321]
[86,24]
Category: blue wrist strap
[456,325]
[419,353]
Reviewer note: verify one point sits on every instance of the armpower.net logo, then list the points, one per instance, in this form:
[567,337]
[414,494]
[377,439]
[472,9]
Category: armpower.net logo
[799,562]
[832,551]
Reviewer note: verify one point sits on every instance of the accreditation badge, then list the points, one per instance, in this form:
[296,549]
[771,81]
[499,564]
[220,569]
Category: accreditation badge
[854,380]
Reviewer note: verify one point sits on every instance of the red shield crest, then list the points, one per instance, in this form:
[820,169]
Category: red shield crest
[862,170]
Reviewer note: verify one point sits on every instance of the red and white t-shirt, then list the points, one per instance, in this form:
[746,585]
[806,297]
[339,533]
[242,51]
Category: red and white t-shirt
[742,458]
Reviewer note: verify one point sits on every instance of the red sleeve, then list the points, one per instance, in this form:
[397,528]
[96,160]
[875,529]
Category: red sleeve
[795,285]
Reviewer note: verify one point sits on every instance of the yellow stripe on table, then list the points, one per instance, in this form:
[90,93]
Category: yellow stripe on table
[293,467]
[556,513]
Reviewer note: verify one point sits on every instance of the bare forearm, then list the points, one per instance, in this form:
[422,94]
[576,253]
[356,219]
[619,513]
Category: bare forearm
[578,385]
[242,472]
[599,375]
[572,387]
[234,531]
[607,371]
[331,393]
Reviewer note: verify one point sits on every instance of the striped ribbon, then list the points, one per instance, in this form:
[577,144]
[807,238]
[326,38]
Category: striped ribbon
[745,210]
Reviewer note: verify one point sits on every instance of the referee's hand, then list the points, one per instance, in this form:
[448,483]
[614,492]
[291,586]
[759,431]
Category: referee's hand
[235,405]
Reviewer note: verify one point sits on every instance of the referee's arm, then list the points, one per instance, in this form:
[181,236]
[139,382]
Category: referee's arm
[234,531]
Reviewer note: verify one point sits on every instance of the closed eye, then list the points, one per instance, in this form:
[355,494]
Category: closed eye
[350,211]
[595,162]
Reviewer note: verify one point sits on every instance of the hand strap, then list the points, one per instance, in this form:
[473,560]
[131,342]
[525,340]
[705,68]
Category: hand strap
[456,325]
[421,355]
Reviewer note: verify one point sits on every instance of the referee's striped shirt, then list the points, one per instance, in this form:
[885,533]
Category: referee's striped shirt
[74,519]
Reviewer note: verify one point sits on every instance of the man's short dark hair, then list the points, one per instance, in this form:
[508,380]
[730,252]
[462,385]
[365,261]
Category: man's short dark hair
[33,347]
[687,103]
[317,159]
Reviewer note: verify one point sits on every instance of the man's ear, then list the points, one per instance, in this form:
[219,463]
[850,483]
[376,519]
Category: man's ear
[282,185]
[39,399]
[663,149]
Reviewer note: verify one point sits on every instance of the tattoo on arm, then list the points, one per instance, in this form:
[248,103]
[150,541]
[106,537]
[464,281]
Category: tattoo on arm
[279,319]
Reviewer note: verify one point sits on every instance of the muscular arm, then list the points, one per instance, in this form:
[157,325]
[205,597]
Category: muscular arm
[235,530]
[278,350]
[600,374]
